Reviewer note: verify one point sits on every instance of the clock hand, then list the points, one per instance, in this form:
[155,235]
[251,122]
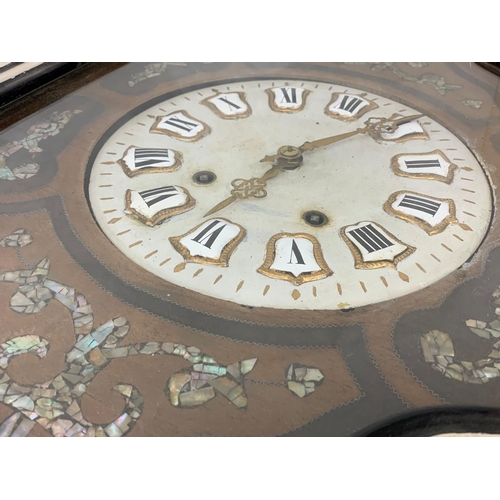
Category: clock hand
[243,188]
[326,141]
[373,126]
[290,157]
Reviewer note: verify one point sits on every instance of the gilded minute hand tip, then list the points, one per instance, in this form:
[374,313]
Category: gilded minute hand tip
[406,119]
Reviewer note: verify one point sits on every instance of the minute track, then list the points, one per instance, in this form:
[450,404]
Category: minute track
[311,178]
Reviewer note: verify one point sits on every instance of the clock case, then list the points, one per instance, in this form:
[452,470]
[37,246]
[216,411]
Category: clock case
[382,337]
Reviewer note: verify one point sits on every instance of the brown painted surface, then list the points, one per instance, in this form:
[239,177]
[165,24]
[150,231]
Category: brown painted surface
[271,409]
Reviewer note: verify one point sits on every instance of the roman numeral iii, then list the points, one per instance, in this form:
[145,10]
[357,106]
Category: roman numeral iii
[432,166]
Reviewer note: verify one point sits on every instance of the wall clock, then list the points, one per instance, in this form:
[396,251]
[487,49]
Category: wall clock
[289,193]
[297,248]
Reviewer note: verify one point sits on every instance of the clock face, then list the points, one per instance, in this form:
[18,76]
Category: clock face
[388,209]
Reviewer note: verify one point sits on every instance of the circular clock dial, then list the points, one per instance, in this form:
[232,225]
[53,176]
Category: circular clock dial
[393,203]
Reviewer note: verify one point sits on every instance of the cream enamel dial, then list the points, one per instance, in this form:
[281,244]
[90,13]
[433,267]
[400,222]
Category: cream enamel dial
[181,190]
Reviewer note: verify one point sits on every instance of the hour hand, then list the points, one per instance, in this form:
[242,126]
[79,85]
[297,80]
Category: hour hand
[244,188]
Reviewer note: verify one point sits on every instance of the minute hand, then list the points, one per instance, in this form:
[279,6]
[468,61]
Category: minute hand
[309,146]
[374,127]
[326,141]
[378,124]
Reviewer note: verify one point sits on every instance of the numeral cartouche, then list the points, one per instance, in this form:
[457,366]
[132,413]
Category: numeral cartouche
[348,107]
[211,242]
[228,105]
[432,214]
[373,247]
[153,206]
[287,99]
[429,166]
[296,258]
[137,161]
[180,125]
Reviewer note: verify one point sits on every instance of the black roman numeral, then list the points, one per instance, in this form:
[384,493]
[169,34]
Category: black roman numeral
[153,196]
[422,204]
[289,95]
[422,163]
[144,157]
[295,252]
[207,236]
[181,124]
[229,103]
[370,238]
[349,103]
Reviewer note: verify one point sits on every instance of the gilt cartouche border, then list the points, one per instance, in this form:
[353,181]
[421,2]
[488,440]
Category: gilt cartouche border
[271,96]
[359,263]
[178,159]
[223,260]
[266,270]
[333,114]
[409,137]
[220,114]
[166,213]
[176,135]
[431,177]
[431,230]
